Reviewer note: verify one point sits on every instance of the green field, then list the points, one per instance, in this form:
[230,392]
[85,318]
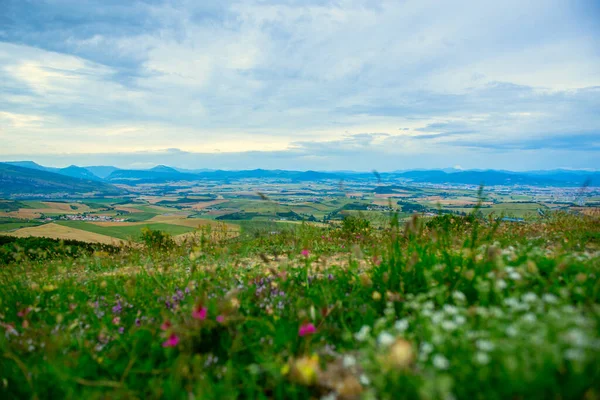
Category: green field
[126,232]
[12,226]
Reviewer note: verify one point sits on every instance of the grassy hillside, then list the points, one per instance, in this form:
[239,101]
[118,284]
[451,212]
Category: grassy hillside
[20,180]
[453,307]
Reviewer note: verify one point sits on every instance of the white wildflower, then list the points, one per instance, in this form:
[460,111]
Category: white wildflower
[348,361]
[364,380]
[515,276]
[450,309]
[459,296]
[549,298]
[501,284]
[448,325]
[530,297]
[529,317]
[363,334]
[401,325]
[482,358]
[574,355]
[484,345]
[426,347]
[459,320]
[385,339]
[511,331]
[437,317]
[440,362]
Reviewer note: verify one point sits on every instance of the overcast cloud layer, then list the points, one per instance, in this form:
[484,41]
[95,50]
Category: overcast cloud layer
[327,85]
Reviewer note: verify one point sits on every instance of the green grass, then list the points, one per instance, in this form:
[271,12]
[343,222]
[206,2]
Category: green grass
[126,232]
[448,307]
[13,226]
[138,216]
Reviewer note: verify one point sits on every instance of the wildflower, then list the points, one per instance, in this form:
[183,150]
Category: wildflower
[363,334]
[165,326]
[401,325]
[307,329]
[515,276]
[121,329]
[385,339]
[348,361]
[440,362]
[116,321]
[138,322]
[459,320]
[529,317]
[304,370]
[117,308]
[376,260]
[364,380]
[501,284]
[305,252]
[172,341]
[448,325]
[482,358]
[376,296]
[530,297]
[200,313]
[450,309]
[484,345]
[574,355]
[459,296]
[220,319]
[399,355]
[549,298]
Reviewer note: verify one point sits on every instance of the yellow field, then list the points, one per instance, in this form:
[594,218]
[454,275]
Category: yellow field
[56,231]
[206,204]
[191,222]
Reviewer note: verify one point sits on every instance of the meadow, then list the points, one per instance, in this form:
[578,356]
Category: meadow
[451,307]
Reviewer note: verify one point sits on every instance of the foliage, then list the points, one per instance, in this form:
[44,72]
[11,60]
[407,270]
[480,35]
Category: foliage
[157,240]
[431,310]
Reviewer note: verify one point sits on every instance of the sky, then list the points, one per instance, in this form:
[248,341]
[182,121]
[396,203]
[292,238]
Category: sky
[301,84]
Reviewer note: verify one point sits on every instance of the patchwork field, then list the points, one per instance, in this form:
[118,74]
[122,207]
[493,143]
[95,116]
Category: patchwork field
[58,231]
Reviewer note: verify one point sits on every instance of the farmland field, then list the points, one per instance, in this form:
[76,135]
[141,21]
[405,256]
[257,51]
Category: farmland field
[132,231]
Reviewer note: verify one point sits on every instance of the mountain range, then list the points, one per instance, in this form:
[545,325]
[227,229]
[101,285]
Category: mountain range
[30,177]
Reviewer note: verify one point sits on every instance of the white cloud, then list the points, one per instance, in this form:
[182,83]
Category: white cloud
[234,76]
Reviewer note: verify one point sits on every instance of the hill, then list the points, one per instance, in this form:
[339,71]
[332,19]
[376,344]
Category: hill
[491,177]
[72,171]
[20,180]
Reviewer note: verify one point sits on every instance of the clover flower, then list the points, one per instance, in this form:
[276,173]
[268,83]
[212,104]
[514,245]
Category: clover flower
[307,329]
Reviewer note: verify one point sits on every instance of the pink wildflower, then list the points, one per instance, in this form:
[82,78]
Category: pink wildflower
[307,329]
[172,341]
[200,313]
[220,319]
[166,325]
[305,252]
[376,260]
[116,321]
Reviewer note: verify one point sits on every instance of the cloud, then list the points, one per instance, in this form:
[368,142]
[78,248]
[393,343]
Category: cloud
[310,79]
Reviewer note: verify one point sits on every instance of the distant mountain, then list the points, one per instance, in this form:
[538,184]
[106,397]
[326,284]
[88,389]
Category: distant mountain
[72,171]
[78,172]
[29,164]
[164,168]
[161,175]
[101,171]
[20,180]
[492,178]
